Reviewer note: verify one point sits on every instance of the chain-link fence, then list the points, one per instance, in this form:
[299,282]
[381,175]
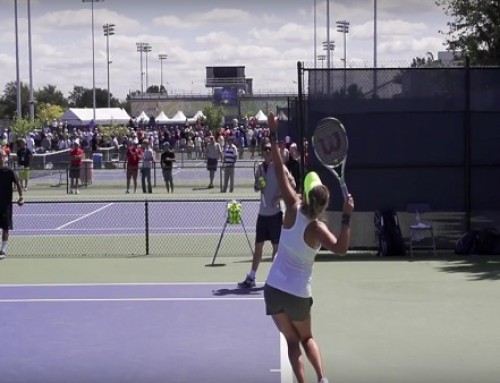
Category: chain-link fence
[188,174]
[425,134]
[171,228]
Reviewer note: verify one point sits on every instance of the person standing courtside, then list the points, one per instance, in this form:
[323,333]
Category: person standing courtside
[147,165]
[7,179]
[134,156]
[270,215]
[76,157]
[229,163]
[213,154]
[167,160]
[24,156]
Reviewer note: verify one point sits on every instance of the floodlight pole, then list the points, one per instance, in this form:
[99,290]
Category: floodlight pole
[109,30]
[140,49]
[93,54]
[30,60]
[161,57]
[315,38]
[19,114]
[147,49]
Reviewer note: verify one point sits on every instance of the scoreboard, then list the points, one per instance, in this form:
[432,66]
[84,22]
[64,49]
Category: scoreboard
[225,76]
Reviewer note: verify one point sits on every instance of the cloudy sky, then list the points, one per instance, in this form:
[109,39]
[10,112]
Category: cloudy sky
[268,37]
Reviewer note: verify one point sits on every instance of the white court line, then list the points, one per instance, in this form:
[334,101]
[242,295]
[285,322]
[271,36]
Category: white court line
[173,230]
[84,216]
[45,215]
[171,299]
[286,368]
[116,284]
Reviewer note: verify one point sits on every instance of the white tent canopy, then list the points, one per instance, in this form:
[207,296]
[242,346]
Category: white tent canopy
[103,116]
[142,117]
[162,117]
[282,116]
[179,118]
[199,114]
[261,117]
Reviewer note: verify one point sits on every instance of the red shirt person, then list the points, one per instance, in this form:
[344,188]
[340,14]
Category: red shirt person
[134,156]
[75,162]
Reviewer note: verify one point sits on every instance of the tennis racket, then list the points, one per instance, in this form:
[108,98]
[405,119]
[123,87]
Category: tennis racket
[330,147]
[259,174]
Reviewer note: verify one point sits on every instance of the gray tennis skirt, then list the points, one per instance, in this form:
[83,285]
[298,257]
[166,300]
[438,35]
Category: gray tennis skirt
[296,308]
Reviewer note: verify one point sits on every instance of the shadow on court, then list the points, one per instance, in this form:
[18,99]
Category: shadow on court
[478,268]
[251,291]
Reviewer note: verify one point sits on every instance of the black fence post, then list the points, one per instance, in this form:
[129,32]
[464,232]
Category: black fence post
[146,225]
[467,146]
[67,179]
[301,119]
[154,173]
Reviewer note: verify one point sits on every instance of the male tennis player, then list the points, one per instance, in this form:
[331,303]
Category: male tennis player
[7,179]
[270,215]
[24,156]
[212,155]
[76,156]
[167,160]
[287,291]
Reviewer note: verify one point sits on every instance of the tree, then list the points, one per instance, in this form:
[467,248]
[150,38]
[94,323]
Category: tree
[419,62]
[9,99]
[47,112]
[82,97]
[214,117]
[49,94]
[475,29]
[22,126]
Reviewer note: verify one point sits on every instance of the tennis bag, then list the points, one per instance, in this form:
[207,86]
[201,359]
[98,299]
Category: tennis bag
[482,242]
[388,234]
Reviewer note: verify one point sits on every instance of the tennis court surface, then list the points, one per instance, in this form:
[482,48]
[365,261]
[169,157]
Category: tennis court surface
[148,333]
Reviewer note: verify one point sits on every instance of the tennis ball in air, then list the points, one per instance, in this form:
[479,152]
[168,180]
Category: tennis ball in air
[262,181]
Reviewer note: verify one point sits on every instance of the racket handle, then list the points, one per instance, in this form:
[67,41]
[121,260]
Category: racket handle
[345,192]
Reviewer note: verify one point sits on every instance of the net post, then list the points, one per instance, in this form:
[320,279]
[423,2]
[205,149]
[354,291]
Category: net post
[220,173]
[154,173]
[146,224]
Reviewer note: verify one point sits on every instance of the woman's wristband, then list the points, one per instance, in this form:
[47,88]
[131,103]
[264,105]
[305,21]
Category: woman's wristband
[346,219]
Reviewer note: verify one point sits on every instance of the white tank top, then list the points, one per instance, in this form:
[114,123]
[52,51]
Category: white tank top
[292,267]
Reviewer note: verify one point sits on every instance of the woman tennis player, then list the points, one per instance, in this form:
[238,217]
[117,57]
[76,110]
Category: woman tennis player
[287,291]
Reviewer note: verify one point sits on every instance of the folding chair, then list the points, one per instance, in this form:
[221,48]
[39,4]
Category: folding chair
[420,229]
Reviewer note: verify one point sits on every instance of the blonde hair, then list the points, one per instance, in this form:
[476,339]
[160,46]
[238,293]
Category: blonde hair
[314,206]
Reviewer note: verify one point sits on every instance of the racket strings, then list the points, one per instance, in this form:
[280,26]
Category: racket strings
[330,144]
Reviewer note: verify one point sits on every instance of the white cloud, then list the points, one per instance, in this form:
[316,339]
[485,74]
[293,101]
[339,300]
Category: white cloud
[70,20]
[220,15]
[290,33]
[214,38]
[171,21]
[388,28]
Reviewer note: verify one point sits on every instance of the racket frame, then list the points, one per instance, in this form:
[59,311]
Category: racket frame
[340,163]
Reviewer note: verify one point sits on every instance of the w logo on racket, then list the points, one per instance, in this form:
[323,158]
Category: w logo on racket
[331,144]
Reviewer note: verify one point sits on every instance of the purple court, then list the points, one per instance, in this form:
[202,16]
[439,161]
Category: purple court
[148,333]
[118,218]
